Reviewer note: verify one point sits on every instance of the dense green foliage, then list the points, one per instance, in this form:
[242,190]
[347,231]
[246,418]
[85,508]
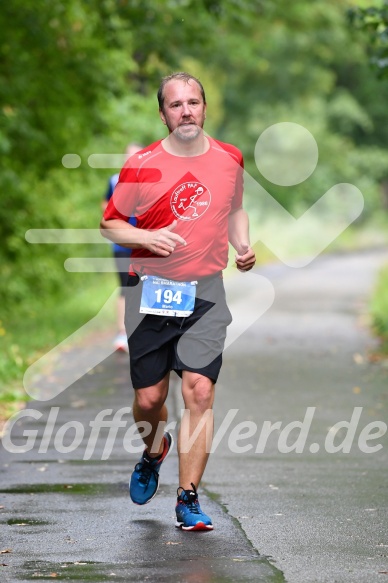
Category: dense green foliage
[81,77]
[379,309]
[374,21]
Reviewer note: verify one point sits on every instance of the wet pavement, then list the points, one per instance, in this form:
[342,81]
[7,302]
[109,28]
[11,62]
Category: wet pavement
[67,514]
[317,514]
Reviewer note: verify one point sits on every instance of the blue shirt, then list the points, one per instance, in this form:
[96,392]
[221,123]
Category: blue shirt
[113,180]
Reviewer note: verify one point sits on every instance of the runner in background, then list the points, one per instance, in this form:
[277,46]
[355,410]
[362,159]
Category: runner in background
[121,256]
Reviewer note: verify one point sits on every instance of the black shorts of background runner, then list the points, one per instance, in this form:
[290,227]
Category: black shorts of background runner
[122,260]
[159,344]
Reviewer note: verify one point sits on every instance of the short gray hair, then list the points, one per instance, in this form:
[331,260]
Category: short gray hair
[181,76]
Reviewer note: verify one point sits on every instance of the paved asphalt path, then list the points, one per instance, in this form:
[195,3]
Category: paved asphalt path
[316,515]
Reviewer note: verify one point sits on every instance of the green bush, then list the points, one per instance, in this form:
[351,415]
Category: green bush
[379,308]
[28,334]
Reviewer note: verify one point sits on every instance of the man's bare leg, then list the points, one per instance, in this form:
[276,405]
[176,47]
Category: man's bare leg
[121,314]
[198,396]
[149,407]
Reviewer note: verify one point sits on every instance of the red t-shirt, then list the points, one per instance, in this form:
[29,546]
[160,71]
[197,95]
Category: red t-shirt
[199,191]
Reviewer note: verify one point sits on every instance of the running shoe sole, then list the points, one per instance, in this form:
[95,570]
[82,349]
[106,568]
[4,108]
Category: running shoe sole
[122,349]
[198,526]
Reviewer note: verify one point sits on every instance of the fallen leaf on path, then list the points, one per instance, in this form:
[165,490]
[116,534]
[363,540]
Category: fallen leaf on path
[78,404]
[378,357]
[5,551]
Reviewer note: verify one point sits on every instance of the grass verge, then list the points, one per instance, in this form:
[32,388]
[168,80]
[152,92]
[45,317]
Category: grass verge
[33,330]
[379,312]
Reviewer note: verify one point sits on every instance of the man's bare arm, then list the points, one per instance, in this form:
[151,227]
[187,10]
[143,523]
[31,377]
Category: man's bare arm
[161,241]
[238,228]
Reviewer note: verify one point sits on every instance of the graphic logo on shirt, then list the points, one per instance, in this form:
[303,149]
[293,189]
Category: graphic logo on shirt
[190,200]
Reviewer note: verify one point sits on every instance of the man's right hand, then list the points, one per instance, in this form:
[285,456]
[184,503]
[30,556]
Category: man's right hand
[163,241]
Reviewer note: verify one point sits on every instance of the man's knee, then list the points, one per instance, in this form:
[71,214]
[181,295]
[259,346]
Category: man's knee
[150,399]
[200,392]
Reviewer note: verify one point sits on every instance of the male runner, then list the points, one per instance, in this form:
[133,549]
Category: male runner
[186,194]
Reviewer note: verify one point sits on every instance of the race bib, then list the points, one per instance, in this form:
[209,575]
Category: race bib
[165,297]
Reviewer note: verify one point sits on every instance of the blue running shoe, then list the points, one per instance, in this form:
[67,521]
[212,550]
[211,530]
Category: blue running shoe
[189,515]
[145,477]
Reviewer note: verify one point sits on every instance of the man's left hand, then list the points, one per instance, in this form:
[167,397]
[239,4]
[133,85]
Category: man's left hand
[246,260]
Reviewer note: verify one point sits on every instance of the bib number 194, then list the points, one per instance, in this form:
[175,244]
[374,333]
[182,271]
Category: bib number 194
[165,297]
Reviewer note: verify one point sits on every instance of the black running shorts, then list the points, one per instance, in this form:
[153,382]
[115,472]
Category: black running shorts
[159,344]
[122,260]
